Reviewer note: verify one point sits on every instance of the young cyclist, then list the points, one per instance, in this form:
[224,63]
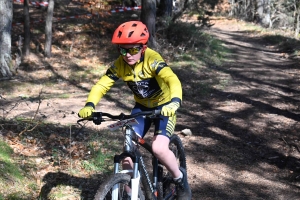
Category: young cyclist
[154,86]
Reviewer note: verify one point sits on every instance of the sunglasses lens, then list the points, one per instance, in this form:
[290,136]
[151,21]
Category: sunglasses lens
[131,51]
[122,51]
[134,50]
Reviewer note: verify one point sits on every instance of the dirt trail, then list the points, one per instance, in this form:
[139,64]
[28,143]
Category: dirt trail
[246,141]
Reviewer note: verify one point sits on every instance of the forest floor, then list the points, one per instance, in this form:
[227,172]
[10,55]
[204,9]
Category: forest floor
[245,143]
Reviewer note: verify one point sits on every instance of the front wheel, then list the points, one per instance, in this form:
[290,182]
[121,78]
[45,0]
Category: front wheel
[122,181]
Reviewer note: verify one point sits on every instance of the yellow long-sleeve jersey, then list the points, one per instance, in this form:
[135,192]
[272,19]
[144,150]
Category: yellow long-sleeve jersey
[152,82]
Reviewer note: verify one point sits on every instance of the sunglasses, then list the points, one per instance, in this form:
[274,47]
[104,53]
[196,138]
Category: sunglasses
[132,51]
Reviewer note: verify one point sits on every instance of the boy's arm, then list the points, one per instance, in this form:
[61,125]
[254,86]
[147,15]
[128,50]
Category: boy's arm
[173,82]
[99,90]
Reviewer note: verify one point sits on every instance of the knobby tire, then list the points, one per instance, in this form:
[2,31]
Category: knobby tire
[167,186]
[176,147]
[105,190]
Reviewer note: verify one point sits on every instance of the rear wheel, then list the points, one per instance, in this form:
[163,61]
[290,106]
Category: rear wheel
[120,179]
[176,147]
[167,187]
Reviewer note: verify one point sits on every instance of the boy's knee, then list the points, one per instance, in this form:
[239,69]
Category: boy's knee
[159,149]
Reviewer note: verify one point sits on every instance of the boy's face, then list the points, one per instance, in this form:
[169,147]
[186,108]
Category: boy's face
[131,53]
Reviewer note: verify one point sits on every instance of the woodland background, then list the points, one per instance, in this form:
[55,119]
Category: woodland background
[282,14]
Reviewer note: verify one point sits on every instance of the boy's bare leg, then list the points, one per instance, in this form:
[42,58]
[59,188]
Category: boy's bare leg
[160,147]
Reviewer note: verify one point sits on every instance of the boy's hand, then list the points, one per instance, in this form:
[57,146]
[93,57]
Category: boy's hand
[86,112]
[170,109]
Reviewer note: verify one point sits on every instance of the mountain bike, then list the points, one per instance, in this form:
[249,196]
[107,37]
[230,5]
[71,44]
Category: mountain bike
[138,179]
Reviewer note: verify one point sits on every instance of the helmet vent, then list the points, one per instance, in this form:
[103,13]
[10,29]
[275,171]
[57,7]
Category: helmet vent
[130,33]
[119,34]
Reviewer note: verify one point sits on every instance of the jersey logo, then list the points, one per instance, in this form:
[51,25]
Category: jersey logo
[142,90]
[145,88]
[153,65]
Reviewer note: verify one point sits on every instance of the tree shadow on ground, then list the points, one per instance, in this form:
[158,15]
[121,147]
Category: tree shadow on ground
[250,131]
[245,128]
[87,186]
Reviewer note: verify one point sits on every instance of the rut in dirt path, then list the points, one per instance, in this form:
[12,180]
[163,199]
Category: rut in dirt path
[246,141]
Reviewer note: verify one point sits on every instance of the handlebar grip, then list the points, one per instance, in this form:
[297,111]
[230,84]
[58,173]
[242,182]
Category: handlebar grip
[97,118]
[156,112]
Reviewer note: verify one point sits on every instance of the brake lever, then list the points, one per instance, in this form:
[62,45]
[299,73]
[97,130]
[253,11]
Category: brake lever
[97,118]
[155,114]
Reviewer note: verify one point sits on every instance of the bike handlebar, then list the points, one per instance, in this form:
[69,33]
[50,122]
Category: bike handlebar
[97,117]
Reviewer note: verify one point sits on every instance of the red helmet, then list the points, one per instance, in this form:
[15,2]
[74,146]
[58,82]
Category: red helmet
[132,32]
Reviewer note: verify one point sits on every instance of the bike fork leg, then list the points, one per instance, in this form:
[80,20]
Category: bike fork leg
[135,182]
[134,188]
[115,191]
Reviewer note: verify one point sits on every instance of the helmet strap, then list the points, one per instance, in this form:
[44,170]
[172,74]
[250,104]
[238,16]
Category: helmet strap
[144,48]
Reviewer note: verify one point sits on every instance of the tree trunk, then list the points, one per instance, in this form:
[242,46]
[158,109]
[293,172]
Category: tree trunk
[267,17]
[297,24]
[6,15]
[148,17]
[165,8]
[264,12]
[26,47]
[232,8]
[181,7]
[48,28]
[259,10]
[249,10]
[297,19]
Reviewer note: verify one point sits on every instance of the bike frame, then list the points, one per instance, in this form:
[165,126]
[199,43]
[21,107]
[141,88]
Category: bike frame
[131,150]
